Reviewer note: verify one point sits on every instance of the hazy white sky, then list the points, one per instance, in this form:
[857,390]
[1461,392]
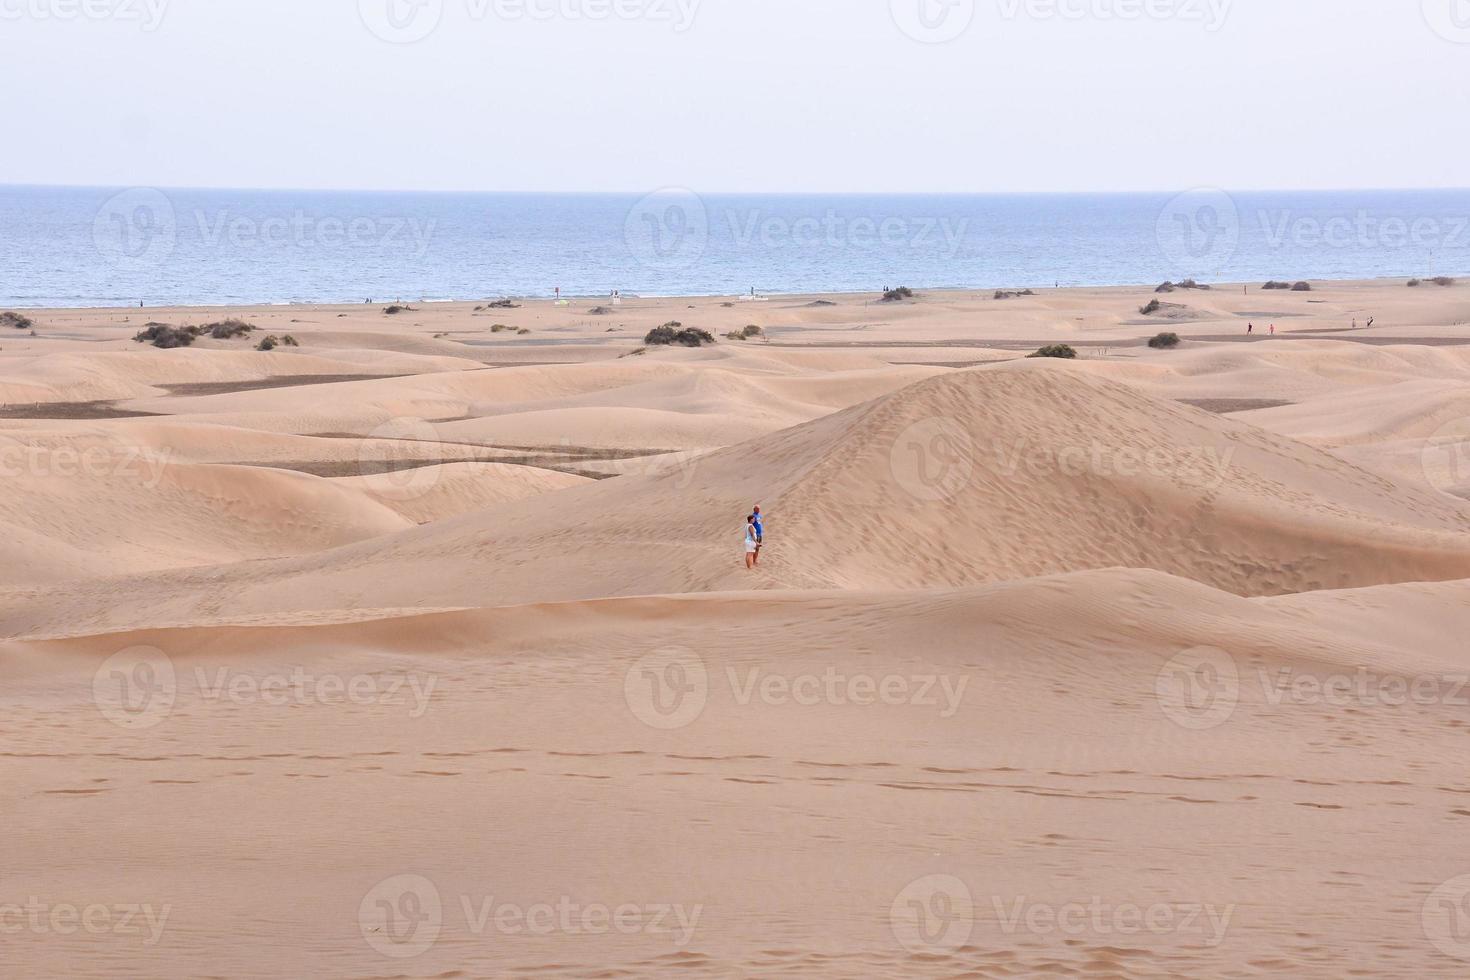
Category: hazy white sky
[738,95]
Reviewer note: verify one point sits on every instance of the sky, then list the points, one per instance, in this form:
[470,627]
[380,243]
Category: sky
[737,95]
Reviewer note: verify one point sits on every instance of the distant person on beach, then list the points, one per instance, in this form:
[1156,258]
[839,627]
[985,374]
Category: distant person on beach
[752,545]
[760,533]
[1370,323]
[1250,328]
[1273,329]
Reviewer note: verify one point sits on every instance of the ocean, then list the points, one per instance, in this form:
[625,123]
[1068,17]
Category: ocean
[76,247]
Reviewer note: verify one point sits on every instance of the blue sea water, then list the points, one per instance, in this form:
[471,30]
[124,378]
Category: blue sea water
[121,246]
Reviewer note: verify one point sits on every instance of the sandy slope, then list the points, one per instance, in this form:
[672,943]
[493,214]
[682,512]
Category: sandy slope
[268,650]
[1051,770]
[1038,469]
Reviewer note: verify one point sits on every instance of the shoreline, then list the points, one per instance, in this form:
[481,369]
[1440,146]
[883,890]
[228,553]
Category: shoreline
[872,296]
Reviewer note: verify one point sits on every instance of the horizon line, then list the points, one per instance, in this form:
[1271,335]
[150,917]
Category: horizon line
[643,192]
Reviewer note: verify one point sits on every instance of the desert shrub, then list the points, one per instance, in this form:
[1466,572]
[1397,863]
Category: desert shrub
[1273,284]
[167,336]
[500,328]
[1056,350]
[523,331]
[745,334]
[1191,284]
[1164,341]
[10,319]
[1442,281]
[502,304]
[289,341]
[395,309]
[1415,282]
[674,333]
[1165,287]
[599,311]
[268,342]
[1151,307]
[1011,293]
[227,329]
[1301,287]
[898,295]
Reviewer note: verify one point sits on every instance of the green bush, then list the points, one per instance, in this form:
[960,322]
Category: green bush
[676,334]
[898,295]
[1164,341]
[167,337]
[1273,284]
[1153,306]
[227,329]
[1301,287]
[9,319]
[1056,350]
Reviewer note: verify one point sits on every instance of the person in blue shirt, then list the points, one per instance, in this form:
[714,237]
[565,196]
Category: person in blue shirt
[760,533]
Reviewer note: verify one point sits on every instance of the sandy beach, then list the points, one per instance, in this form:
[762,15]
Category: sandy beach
[423,644]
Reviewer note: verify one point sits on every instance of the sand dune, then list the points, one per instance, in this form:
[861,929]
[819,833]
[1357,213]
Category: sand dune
[1036,651]
[434,493]
[162,514]
[1046,757]
[977,476]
